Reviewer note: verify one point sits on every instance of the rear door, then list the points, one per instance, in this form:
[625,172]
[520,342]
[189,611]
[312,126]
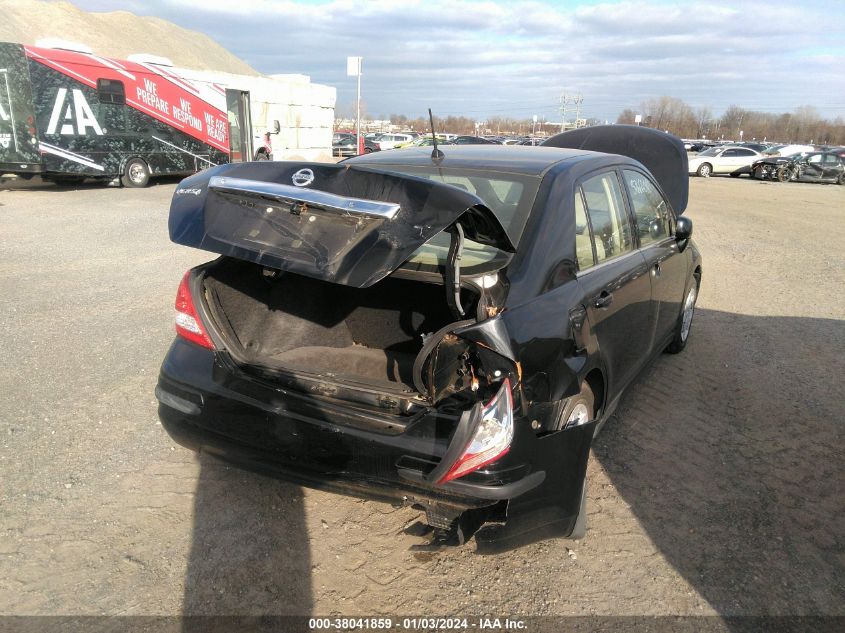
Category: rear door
[18,141]
[614,277]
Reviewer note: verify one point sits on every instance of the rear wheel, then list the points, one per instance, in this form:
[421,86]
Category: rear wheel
[580,409]
[136,173]
[705,170]
[841,179]
[682,330]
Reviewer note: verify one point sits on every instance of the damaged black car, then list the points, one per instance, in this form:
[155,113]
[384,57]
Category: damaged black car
[446,330]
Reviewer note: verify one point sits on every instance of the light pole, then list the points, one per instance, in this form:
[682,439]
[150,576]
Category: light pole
[353,69]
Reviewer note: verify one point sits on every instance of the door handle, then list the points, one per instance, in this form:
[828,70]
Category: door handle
[604,299]
[656,269]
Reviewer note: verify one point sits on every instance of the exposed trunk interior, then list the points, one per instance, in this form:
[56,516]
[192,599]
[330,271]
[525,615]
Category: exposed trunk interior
[297,323]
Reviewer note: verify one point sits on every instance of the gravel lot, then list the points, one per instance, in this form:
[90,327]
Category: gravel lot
[717,489]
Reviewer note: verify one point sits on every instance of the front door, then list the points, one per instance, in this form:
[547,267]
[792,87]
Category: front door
[810,168]
[614,278]
[655,230]
[240,125]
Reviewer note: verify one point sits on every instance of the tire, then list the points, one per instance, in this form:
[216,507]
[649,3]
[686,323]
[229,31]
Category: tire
[757,174]
[368,150]
[682,329]
[784,174]
[705,170]
[580,408]
[841,179]
[136,174]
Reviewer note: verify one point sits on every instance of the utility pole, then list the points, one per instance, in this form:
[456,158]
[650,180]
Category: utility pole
[567,103]
[353,68]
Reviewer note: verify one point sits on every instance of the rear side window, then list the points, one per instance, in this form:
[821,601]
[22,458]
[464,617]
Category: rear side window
[111,91]
[583,242]
[650,209]
[611,228]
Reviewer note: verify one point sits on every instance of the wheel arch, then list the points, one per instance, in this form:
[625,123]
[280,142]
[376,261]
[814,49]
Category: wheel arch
[595,379]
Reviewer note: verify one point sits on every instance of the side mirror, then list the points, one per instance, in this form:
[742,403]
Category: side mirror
[683,232]
[276,127]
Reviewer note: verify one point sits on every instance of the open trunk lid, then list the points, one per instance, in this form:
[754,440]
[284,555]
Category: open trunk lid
[339,223]
[661,153]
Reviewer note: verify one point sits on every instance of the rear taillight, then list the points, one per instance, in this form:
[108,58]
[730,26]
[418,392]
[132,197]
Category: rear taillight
[491,440]
[188,323]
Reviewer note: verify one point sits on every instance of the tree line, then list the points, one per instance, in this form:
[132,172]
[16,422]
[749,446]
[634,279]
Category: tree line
[673,115]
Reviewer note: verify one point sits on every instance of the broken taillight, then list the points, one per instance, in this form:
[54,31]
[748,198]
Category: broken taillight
[188,323]
[491,439]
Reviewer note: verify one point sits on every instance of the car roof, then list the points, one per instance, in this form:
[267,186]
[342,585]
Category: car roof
[504,158]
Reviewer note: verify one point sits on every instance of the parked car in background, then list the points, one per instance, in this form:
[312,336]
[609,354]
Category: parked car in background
[757,147]
[344,145]
[788,150]
[472,140]
[446,334]
[729,159]
[701,146]
[389,141]
[802,167]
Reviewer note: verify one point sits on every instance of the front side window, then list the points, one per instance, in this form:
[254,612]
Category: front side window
[650,208]
[611,229]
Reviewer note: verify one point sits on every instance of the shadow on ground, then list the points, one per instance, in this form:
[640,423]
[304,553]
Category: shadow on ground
[36,183]
[249,554]
[729,455]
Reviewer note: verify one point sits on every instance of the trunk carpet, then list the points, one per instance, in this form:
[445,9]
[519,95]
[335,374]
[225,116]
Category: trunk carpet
[355,360]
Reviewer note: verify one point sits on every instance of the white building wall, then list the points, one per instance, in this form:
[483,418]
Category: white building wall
[304,110]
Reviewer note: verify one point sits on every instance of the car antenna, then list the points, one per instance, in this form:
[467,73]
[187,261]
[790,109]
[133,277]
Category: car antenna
[437,156]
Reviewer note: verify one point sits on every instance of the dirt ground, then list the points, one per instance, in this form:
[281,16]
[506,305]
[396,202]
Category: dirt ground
[716,489]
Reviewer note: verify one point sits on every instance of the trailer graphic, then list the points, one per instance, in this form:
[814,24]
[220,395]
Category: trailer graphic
[69,115]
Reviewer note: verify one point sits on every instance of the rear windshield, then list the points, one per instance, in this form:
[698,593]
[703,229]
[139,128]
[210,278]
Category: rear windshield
[510,197]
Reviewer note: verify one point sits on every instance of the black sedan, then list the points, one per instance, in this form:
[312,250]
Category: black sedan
[802,167]
[445,330]
[345,145]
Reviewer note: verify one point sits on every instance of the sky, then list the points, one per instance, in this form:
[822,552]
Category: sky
[485,58]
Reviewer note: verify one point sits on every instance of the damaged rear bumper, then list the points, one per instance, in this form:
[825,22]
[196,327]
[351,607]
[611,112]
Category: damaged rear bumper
[209,404]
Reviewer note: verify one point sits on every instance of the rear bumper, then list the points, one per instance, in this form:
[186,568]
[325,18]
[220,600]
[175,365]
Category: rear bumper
[208,404]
